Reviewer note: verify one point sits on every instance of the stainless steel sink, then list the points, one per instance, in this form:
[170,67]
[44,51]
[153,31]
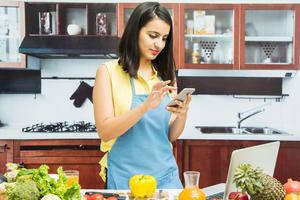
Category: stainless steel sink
[234,130]
[263,130]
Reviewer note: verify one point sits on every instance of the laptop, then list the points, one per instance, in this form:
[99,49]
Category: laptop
[263,156]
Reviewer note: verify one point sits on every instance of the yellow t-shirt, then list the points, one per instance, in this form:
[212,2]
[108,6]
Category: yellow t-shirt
[122,95]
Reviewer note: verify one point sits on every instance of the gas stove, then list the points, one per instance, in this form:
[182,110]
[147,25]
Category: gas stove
[61,127]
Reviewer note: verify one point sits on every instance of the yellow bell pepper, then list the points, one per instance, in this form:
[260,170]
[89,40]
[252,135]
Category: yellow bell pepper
[142,185]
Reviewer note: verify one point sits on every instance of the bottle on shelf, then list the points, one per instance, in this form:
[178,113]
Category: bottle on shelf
[196,53]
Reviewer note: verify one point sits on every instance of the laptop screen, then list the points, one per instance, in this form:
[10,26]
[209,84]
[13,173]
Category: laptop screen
[263,156]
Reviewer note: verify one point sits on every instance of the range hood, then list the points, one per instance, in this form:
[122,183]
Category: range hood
[237,73]
[70,46]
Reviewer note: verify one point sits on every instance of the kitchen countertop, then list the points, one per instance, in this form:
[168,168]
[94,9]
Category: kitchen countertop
[191,133]
[173,193]
[14,132]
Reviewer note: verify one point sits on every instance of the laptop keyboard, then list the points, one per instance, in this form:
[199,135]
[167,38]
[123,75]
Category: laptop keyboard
[217,195]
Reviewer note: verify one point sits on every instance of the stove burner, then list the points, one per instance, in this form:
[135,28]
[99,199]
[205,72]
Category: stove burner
[61,127]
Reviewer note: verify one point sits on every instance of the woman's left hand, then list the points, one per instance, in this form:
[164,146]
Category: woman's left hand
[182,108]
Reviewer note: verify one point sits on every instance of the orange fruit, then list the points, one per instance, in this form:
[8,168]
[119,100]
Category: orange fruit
[292,196]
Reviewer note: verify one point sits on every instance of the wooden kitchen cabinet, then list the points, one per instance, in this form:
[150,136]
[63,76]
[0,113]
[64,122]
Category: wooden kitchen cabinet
[239,36]
[125,10]
[209,36]
[288,162]
[81,155]
[211,158]
[6,154]
[60,15]
[269,36]
[12,31]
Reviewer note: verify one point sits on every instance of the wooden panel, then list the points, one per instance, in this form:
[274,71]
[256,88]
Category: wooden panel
[57,160]
[6,154]
[210,158]
[178,156]
[58,142]
[57,153]
[288,162]
[61,153]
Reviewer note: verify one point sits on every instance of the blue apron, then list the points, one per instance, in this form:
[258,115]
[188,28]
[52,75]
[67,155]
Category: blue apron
[144,149]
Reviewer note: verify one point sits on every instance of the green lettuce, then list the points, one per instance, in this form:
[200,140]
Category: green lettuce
[47,185]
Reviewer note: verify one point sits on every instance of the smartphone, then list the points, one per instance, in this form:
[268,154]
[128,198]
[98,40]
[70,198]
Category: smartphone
[181,96]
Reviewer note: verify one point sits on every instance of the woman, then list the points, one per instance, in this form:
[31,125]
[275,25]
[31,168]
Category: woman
[130,97]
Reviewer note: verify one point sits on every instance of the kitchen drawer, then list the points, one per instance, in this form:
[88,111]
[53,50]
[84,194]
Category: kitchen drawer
[81,155]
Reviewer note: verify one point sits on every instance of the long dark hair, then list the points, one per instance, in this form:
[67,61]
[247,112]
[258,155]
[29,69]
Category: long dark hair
[129,54]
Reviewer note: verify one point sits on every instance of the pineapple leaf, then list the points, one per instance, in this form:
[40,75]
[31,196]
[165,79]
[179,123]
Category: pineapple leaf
[248,179]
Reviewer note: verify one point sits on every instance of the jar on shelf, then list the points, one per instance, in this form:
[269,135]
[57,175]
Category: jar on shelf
[45,23]
[101,24]
[196,55]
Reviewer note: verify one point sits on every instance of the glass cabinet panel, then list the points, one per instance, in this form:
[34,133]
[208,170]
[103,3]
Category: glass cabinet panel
[127,14]
[208,36]
[9,34]
[269,36]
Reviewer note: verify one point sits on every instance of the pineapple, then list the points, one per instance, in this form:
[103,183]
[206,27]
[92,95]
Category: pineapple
[257,184]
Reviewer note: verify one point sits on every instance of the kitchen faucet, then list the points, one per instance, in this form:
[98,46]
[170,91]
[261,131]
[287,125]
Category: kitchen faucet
[240,114]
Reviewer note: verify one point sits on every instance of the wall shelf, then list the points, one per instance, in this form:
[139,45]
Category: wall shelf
[268,39]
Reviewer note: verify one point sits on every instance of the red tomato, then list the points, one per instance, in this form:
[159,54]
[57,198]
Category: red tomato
[96,197]
[112,198]
[86,197]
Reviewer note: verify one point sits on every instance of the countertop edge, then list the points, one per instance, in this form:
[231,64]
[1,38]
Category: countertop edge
[189,133]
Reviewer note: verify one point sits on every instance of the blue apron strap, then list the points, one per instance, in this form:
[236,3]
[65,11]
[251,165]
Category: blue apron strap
[132,86]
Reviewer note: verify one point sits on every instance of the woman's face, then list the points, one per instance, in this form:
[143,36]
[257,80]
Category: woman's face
[152,38]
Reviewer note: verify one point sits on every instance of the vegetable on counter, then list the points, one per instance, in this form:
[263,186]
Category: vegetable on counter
[101,196]
[142,185]
[35,184]
[24,189]
[94,197]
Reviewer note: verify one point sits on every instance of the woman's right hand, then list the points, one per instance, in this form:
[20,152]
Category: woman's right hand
[159,90]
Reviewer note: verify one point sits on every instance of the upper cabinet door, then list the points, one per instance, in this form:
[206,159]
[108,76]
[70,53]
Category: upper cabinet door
[209,36]
[269,36]
[12,31]
[125,10]
[71,19]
